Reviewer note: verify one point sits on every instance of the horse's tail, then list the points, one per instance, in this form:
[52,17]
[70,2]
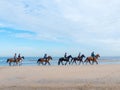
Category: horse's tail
[38,60]
[7,60]
[59,61]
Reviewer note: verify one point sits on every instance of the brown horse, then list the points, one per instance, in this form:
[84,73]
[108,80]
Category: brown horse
[15,62]
[44,61]
[91,59]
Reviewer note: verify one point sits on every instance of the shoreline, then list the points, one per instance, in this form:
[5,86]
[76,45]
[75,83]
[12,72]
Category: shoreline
[32,61]
[73,77]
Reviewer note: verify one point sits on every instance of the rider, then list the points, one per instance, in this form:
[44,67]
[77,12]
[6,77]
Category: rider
[92,54]
[45,56]
[65,55]
[79,55]
[15,56]
[19,55]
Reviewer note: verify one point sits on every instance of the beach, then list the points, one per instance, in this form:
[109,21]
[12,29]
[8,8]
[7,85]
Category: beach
[70,77]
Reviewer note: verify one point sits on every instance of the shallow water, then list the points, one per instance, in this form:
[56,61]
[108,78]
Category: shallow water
[32,61]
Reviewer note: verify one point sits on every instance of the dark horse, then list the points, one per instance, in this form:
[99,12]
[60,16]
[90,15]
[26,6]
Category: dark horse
[64,59]
[17,61]
[91,59]
[79,59]
[44,61]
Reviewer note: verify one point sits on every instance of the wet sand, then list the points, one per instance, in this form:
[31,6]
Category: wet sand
[84,77]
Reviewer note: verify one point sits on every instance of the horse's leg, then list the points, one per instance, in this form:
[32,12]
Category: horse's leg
[13,63]
[16,63]
[38,62]
[96,61]
[92,61]
[42,63]
[59,62]
[66,62]
[71,61]
[86,61]
[62,62]
[82,62]
[9,63]
[79,62]
[49,63]
[75,62]
[89,61]
[20,63]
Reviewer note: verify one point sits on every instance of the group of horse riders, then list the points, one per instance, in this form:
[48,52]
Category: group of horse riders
[92,55]
[45,55]
[16,60]
[45,59]
[93,58]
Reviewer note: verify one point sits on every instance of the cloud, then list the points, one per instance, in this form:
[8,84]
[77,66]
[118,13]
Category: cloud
[73,21]
[23,35]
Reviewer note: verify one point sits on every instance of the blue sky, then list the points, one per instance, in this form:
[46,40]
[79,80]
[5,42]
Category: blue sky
[35,27]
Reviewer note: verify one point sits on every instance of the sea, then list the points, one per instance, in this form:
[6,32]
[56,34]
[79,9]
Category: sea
[32,61]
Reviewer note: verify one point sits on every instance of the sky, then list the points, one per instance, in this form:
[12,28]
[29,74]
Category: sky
[36,27]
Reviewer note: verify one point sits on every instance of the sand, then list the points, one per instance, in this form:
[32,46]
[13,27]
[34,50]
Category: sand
[84,77]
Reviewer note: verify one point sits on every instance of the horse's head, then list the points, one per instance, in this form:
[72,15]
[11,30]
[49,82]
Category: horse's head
[97,55]
[49,57]
[7,60]
[70,56]
[82,55]
[23,57]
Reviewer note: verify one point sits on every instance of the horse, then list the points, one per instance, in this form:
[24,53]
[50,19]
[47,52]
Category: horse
[17,61]
[93,59]
[42,60]
[64,59]
[79,59]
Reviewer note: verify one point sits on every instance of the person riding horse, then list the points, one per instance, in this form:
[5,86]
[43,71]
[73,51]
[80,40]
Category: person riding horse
[45,56]
[65,58]
[44,60]
[19,55]
[92,59]
[15,57]
[65,55]
[15,60]
[93,55]
[79,59]
[79,55]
